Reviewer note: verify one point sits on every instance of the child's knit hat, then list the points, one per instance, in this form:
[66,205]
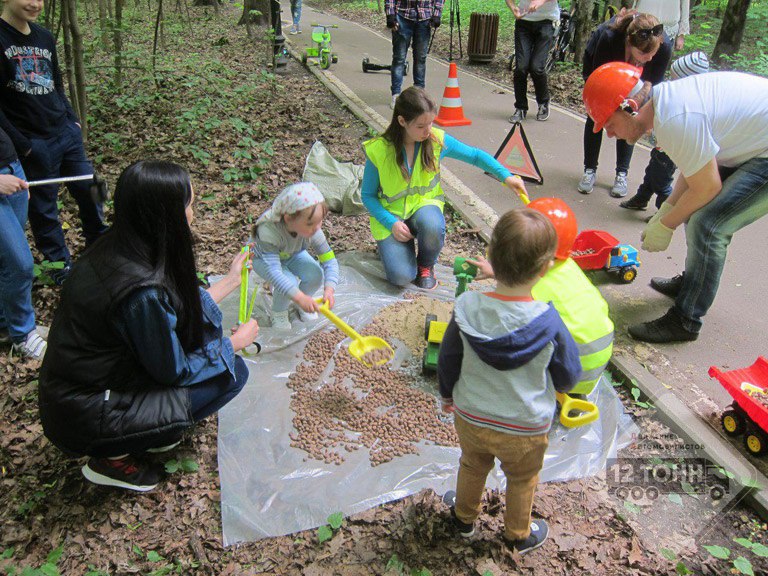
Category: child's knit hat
[690,64]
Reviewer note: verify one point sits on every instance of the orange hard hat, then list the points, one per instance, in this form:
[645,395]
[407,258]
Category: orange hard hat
[564,221]
[608,88]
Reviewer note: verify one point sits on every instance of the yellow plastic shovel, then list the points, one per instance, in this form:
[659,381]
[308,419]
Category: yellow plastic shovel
[370,350]
[587,411]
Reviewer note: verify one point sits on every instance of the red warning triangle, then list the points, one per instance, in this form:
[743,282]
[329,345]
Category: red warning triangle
[516,155]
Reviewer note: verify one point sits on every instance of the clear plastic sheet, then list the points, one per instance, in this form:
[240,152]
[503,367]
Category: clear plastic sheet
[270,489]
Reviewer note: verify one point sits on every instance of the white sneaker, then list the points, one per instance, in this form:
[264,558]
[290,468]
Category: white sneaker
[306,316]
[34,346]
[587,181]
[394,99]
[280,320]
[619,189]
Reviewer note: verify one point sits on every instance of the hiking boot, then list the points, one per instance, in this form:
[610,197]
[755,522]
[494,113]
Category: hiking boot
[668,286]
[33,346]
[59,275]
[425,277]
[518,116]
[537,537]
[123,473]
[635,203]
[464,529]
[663,330]
[543,112]
[587,181]
[619,189]
[280,320]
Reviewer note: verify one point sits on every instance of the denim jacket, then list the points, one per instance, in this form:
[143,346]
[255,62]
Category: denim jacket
[148,323]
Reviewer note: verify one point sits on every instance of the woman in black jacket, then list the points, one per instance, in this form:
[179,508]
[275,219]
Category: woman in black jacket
[638,39]
[136,352]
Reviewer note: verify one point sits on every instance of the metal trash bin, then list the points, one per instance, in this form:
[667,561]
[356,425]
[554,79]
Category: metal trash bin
[483,34]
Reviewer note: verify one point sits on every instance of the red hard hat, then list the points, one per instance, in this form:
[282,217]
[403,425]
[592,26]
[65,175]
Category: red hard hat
[607,88]
[564,221]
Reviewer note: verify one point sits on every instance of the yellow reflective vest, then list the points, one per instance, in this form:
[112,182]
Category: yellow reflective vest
[399,196]
[585,312]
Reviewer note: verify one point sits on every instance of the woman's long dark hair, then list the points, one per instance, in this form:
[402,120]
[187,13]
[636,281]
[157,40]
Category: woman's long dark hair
[150,226]
[412,103]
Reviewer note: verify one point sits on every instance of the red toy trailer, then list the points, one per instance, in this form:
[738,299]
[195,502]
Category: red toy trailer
[597,249]
[748,414]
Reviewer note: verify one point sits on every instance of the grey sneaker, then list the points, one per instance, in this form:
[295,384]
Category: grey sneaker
[394,99]
[587,181]
[33,346]
[619,189]
[543,112]
[293,30]
[518,116]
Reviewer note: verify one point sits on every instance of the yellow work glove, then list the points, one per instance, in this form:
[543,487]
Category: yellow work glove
[656,237]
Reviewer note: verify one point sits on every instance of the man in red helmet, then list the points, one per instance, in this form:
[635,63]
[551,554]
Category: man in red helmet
[715,128]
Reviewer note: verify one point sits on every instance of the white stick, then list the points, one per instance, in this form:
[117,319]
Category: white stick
[61,180]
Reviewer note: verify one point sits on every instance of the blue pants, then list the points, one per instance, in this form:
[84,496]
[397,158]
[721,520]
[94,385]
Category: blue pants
[399,258]
[305,268]
[16,265]
[533,41]
[60,155]
[743,199]
[658,178]
[208,396]
[296,11]
[418,32]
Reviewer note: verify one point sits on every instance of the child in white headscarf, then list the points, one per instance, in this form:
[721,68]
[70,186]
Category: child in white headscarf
[280,240]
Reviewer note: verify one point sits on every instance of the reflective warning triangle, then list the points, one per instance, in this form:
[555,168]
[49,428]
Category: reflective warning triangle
[516,155]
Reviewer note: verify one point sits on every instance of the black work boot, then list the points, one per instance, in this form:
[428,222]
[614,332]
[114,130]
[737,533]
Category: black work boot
[668,328]
[668,286]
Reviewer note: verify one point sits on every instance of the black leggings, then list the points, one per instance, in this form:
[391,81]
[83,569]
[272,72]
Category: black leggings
[592,143]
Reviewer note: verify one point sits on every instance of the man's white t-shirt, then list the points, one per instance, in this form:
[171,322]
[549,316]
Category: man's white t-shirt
[550,10]
[722,115]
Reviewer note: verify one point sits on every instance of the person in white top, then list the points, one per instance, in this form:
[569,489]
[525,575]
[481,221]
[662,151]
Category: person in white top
[673,14]
[715,128]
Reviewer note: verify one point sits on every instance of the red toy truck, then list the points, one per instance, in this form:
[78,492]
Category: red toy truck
[597,249]
[748,414]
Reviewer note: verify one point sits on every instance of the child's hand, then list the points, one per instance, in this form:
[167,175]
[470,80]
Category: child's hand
[401,232]
[244,335]
[329,298]
[484,268]
[306,303]
[446,405]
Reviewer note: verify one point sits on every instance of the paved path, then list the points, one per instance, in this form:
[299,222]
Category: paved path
[735,329]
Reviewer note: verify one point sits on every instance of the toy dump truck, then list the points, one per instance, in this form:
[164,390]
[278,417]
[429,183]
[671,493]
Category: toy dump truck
[748,415]
[597,249]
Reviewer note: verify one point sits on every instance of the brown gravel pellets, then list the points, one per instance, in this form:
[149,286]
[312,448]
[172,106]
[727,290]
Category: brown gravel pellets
[377,356]
[340,405]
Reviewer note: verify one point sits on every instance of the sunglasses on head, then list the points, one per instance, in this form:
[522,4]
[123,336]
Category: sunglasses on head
[646,33]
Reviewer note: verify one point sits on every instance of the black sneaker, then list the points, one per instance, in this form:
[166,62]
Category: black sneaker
[543,112]
[464,529]
[668,286]
[635,203]
[59,275]
[425,277]
[537,537]
[123,473]
[664,330]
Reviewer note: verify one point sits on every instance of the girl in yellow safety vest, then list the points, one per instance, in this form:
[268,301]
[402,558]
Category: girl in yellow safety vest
[401,188]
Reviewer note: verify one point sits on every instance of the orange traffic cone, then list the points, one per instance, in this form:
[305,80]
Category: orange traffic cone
[451,112]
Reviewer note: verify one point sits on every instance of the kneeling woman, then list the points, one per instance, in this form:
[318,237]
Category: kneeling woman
[136,352]
[401,188]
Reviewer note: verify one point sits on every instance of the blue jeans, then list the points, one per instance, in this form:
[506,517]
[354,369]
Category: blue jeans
[60,155]
[418,32]
[399,258]
[658,178]
[533,41]
[743,199]
[296,11]
[307,271]
[208,396]
[16,265]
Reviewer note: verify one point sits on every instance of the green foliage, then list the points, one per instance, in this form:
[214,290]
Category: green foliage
[743,566]
[48,568]
[325,532]
[184,465]
[41,272]
[680,568]
[718,551]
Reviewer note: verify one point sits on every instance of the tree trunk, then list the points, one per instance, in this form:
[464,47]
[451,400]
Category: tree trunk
[248,17]
[158,36]
[68,66]
[732,31]
[583,28]
[80,102]
[103,24]
[117,38]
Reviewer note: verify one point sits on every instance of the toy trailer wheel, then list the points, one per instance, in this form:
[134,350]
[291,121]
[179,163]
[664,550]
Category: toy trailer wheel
[427,321]
[756,442]
[733,422]
[628,274]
